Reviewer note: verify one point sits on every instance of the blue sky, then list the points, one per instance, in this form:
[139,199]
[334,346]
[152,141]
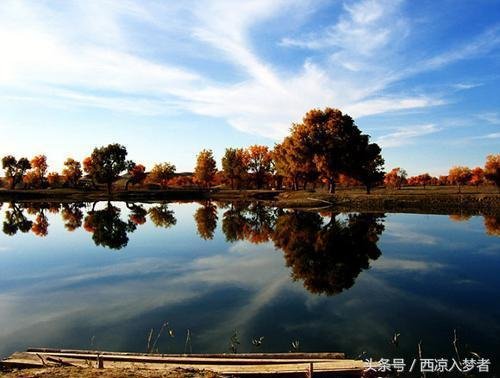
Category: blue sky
[168,78]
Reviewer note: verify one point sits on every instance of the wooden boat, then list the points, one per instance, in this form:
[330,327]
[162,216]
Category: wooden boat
[260,364]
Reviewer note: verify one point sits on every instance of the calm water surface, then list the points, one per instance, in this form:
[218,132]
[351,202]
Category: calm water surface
[76,277]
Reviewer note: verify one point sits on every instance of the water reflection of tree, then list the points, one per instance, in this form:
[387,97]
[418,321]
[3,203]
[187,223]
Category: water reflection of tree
[161,216]
[72,215]
[327,257]
[206,220]
[253,223]
[460,217]
[492,225]
[40,226]
[15,220]
[137,214]
[107,229]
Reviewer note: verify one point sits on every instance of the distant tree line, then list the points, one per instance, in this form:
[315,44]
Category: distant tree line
[457,175]
[326,149]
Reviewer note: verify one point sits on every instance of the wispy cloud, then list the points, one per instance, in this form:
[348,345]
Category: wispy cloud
[465,86]
[407,135]
[98,58]
[490,117]
[488,136]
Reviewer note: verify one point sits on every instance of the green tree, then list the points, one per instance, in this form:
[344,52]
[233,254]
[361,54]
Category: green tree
[205,169]
[15,169]
[107,163]
[366,163]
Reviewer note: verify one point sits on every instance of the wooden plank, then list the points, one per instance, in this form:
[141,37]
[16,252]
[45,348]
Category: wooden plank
[168,358]
[338,366]
[316,355]
[236,364]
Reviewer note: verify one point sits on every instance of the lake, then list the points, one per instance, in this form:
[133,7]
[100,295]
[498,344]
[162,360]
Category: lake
[101,276]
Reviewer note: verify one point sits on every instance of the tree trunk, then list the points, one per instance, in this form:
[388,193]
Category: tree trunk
[232,182]
[109,184]
[126,185]
[331,186]
[368,189]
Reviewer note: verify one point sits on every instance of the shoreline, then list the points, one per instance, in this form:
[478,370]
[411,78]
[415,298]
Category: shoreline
[405,201]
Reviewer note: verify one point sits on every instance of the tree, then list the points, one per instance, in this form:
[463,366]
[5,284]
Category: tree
[54,179]
[259,163]
[338,147]
[14,169]
[395,178]
[492,169]
[234,165]
[459,176]
[31,180]
[477,176]
[294,158]
[39,166]
[205,169]
[72,172]
[424,179]
[366,164]
[137,175]
[161,173]
[443,180]
[107,163]
[89,170]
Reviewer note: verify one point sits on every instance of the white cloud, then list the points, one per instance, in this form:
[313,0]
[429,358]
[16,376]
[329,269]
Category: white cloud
[465,86]
[91,54]
[406,135]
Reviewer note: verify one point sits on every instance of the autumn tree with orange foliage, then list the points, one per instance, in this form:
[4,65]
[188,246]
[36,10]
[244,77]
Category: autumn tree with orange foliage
[205,169]
[72,172]
[337,146]
[395,178]
[161,174]
[137,175]
[459,176]
[477,176]
[260,163]
[492,169]
[39,168]
[54,179]
[234,165]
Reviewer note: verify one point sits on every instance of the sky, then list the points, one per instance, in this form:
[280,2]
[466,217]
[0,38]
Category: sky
[168,78]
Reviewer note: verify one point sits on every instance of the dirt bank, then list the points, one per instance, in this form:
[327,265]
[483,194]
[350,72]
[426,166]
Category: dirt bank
[64,372]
